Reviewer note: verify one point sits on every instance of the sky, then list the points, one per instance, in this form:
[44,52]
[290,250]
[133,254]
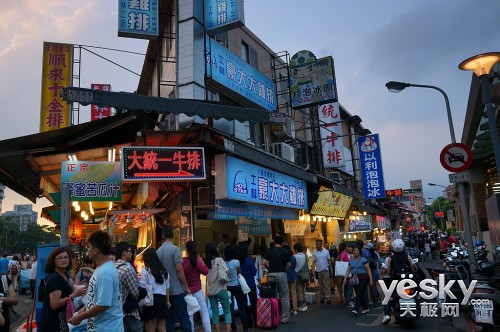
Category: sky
[371,42]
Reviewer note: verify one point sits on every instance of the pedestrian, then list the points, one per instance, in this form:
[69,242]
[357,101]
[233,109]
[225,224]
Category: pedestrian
[4,264]
[291,276]
[58,291]
[155,274]
[34,265]
[373,264]
[103,310]
[170,257]
[322,264]
[83,276]
[129,288]
[248,271]
[223,244]
[300,285]
[25,264]
[443,247]
[277,260]
[233,286]
[194,267]
[216,286]
[359,267]
[13,270]
[428,254]
[343,257]
[9,299]
[433,247]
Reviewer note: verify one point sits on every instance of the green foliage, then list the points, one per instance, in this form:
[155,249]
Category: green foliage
[439,204]
[14,241]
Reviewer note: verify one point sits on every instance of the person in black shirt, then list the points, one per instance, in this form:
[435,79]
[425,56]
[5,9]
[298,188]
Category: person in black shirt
[277,260]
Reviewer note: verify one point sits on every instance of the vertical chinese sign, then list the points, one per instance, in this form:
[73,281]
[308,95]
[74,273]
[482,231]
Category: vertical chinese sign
[100,112]
[138,19]
[223,15]
[371,167]
[56,74]
[331,135]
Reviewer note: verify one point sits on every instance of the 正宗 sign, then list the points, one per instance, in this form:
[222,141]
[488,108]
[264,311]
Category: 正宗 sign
[100,112]
[150,163]
[92,180]
[138,19]
[223,15]
[371,167]
[56,74]
[232,72]
[331,135]
[242,181]
[312,81]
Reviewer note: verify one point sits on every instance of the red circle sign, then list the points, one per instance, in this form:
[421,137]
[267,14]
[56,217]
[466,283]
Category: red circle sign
[456,157]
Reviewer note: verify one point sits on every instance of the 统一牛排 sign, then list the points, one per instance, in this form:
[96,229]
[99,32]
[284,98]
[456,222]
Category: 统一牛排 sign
[149,163]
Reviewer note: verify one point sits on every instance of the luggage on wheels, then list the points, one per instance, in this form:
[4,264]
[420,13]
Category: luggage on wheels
[268,313]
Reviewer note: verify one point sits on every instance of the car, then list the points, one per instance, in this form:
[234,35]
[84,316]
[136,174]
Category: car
[454,157]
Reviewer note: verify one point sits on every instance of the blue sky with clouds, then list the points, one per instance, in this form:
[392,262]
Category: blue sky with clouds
[372,42]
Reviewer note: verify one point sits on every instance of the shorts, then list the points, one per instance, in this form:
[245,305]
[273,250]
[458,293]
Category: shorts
[158,310]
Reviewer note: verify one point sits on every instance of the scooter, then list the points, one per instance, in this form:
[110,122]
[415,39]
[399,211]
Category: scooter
[486,312]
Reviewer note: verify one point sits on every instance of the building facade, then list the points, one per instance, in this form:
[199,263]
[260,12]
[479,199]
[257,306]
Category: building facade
[23,215]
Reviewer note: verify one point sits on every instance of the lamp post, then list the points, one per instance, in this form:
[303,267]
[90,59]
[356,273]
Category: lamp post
[400,86]
[481,65]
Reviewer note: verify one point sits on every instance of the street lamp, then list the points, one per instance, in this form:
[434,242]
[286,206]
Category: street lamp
[481,65]
[400,86]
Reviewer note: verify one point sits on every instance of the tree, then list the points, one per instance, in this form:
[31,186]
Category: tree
[14,241]
[439,204]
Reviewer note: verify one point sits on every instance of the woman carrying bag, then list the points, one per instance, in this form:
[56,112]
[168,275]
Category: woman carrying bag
[233,286]
[248,271]
[361,277]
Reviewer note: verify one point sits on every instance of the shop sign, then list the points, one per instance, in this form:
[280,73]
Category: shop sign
[223,15]
[331,204]
[242,181]
[383,222]
[371,167]
[100,112]
[359,224]
[231,211]
[234,73]
[92,180]
[331,135]
[56,74]
[394,193]
[255,226]
[382,238]
[150,163]
[138,19]
[312,81]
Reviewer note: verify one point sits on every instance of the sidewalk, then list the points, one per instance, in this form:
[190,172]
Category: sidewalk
[24,308]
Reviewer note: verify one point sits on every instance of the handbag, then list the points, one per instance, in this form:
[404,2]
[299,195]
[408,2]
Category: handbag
[70,309]
[192,304]
[222,272]
[354,280]
[243,284]
[148,300]
[13,315]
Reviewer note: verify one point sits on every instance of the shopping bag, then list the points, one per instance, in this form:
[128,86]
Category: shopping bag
[192,304]
[243,284]
[341,268]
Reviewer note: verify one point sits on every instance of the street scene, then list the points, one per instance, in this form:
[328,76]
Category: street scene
[231,165]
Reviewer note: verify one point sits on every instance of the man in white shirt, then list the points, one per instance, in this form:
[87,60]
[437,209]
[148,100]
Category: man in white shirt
[322,263]
[34,264]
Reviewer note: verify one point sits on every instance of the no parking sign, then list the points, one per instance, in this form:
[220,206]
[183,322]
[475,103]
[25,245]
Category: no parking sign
[456,157]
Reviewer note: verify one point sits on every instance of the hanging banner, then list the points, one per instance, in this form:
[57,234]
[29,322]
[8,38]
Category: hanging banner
[223,15]
[331,135]
[359,224]
[138,19]
[100,112]
[331,204]
[312,81]
[56,74]
[371,167]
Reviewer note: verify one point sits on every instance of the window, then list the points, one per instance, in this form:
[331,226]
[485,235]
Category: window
[249,55]
[221,38]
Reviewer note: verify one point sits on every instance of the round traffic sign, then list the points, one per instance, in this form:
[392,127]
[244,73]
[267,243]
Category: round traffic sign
[456,157]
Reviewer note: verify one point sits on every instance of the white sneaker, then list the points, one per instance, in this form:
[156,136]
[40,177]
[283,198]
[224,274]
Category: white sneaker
[302,309]
[386,319]
[365,311]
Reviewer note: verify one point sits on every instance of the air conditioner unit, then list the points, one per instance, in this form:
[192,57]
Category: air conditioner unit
[284,151]
[286,129]
[335,177]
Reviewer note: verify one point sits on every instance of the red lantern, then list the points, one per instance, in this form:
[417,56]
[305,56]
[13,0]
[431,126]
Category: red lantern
[75,231]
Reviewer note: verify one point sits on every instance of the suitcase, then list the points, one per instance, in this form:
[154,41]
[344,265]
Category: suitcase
[268,313]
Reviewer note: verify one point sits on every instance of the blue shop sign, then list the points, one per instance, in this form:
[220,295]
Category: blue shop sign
[223,15]
[371,167]
[252,183]
[227,210]
[232,72]
[138,19]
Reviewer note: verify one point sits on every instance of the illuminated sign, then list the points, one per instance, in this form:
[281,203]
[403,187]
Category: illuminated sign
[331,203]
[439,214]
[394,192]
[232,72]
[138,19]
[149,163]
[92,180]
[227,210]
[331,135]
[359,224]
[223,15]
[242,181]
[371,167]
[56,74]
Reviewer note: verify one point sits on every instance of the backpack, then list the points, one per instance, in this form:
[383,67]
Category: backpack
[41,290]
[399,266]
[303,273]
[372,262]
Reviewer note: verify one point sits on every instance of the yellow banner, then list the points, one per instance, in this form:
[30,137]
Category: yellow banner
[331,204]
[56,74]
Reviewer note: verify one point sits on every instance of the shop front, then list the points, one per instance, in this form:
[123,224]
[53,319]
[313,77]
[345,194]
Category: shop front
[382,234]
[359,227]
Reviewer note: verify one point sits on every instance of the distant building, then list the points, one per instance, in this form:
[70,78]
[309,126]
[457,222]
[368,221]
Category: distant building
[23,215]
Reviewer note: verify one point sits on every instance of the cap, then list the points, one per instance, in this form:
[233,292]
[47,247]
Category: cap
[369,245]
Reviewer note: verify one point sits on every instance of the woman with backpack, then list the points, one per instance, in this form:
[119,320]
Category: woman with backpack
[302,271]
[291,276]
[193,267]
[216,286]
[248,271]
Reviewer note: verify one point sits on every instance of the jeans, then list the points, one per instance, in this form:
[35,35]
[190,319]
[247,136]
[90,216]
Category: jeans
[373,289]
[223,298]
[179,309]
[252,311]
[205,319]
[347,293]
[132,324]
[241,300]
[282,282]
[361,294]
[387,309]
[301,292]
